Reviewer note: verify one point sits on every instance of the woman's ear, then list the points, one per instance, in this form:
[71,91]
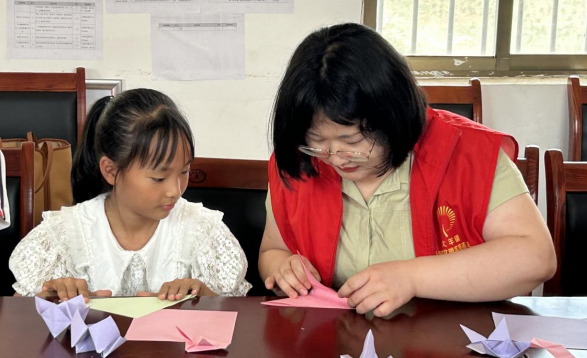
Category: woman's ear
[108,169]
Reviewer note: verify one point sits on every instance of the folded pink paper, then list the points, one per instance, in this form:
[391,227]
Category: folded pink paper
[200,330]
[557,350]
[319,296]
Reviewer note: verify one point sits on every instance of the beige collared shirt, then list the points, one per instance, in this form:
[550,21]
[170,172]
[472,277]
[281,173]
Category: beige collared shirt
[380,230]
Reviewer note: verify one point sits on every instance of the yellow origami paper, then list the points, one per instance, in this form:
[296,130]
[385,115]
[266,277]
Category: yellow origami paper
[133,307]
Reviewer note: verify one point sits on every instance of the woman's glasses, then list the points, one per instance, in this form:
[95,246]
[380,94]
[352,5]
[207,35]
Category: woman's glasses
[325,153]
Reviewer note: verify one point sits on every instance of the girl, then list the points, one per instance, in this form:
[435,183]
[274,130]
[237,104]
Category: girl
[131,233]
[388,199]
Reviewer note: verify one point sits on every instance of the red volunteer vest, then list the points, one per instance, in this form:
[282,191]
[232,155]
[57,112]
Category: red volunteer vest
[450,185]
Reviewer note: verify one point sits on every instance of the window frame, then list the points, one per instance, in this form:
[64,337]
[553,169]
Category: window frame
[502,64]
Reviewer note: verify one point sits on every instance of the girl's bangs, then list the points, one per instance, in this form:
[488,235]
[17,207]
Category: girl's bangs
[160,147]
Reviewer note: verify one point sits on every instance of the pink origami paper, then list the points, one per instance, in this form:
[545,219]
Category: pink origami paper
[102,337]
[368,348]
[58,316]
[319,296]
[200,330]
[556,350]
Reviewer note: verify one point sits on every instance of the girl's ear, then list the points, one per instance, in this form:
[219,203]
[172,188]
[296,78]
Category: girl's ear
[108,169]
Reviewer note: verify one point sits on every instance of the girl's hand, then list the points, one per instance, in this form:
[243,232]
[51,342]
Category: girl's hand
[181,287]
[291,278]
[69,287]
[381,287]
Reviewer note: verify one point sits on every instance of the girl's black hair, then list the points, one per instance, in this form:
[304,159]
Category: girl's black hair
[140,126]
[353,76]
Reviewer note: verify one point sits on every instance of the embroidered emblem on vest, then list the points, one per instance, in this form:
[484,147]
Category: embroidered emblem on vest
[446,220]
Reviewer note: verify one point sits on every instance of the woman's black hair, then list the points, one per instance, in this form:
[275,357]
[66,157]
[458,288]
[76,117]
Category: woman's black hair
[353,76]
[141,126]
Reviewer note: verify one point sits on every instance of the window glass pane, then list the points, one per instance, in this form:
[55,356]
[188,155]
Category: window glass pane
[549,26]
[440,27]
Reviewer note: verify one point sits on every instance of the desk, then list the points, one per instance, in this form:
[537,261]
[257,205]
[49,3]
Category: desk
[421,328]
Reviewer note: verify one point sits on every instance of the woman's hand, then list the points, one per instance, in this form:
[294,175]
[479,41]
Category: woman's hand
[69,287]
[382,288]
[179,288]
[291,278]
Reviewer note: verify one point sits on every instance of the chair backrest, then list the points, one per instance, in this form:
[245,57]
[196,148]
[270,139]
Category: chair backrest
[530,169]
[20,191]
[566,207]
[238,188]
[52,105]
[461,99]
[577,116]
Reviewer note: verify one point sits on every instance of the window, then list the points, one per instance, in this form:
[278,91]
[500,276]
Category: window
[485,37]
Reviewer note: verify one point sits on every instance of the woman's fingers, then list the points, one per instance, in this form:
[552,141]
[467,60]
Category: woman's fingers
[291,277]
[288,275]
[270,282]
[298,270]
[312,270]
[286,287]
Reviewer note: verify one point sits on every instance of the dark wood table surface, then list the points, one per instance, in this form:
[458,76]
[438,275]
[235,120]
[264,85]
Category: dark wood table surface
[421,328]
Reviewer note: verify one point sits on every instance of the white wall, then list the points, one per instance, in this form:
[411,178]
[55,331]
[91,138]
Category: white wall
[229,118]
[534,113]
[533,110]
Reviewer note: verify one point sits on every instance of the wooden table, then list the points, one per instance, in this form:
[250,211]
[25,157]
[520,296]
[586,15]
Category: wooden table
[421,328]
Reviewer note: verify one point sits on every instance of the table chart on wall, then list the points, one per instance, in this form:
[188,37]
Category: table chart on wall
[38,29]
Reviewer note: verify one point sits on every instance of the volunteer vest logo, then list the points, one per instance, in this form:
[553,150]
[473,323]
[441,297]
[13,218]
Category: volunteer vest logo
[446,218]
[451,242]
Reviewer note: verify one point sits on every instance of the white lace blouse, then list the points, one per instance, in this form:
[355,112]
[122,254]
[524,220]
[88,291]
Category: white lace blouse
[78,242]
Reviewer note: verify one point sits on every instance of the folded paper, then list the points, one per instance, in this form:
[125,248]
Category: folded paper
[368,348]
[555,349]
[200,330]
[498,344]
[58,317]
[319,296]
[134,307]
[568,332]
[102,337]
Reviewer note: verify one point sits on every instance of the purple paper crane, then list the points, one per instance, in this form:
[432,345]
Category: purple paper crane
[368,348]
[498,344]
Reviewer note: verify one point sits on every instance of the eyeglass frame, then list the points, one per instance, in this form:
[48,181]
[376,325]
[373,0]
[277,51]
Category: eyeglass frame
[317,151]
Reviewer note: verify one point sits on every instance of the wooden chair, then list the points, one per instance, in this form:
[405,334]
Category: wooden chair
[566,203]
[20,192]
[238,188]
[52,105]
[577,116]
[529,167]
[462,99]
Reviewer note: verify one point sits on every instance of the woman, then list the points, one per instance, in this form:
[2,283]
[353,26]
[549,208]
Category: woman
[385,198]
